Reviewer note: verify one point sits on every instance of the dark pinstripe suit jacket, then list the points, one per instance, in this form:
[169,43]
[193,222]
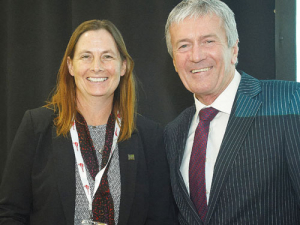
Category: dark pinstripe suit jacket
[257,173]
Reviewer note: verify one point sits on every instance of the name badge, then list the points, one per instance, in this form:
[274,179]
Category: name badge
[90,222]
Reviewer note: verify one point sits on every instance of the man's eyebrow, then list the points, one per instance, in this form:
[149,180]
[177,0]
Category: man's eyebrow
[208,36]
[182,40]
[201,37]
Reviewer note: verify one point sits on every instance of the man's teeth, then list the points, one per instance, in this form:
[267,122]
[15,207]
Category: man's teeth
[97,79]
[201,70]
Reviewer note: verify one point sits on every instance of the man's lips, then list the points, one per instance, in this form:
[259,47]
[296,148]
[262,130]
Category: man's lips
[202,70]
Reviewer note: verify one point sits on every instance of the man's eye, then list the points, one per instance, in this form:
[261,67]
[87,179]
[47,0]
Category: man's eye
[183,46]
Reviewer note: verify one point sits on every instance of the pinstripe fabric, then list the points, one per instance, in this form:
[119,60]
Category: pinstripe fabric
[257,172]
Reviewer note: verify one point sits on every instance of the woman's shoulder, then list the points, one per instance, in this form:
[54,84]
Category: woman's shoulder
[147,127]
[41,112]
[143,122]
[40,117]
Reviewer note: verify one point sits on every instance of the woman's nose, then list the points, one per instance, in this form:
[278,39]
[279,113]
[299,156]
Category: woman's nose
[97,65]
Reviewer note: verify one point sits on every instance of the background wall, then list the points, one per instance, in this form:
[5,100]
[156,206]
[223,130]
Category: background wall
[34,35]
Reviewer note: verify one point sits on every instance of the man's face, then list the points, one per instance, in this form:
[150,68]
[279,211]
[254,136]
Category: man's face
[201,56]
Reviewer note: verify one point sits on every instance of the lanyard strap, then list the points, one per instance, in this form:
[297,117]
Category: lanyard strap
[81,165]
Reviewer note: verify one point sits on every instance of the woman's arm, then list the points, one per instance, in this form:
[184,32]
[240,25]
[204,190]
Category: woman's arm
[15,189]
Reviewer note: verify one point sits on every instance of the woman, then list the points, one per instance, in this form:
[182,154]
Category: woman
[86,157]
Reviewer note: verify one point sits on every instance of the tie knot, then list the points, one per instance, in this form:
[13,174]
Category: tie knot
[208,113]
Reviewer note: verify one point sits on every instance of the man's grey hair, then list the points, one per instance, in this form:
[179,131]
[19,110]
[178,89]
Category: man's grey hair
[198,8]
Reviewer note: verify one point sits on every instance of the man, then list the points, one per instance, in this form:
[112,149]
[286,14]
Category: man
[242,165]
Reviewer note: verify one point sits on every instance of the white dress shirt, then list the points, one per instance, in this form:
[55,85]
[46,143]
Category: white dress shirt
[217,129]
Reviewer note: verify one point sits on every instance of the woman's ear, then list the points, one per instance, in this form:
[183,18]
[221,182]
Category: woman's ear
[123,69]
[70,66]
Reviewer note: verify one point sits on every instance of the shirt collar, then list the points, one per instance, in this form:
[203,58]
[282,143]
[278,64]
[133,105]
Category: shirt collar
[224,101]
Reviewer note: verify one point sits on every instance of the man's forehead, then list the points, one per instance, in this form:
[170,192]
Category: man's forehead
[204,24]
[197,17]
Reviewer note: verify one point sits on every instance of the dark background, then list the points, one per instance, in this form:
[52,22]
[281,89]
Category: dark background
[34,35]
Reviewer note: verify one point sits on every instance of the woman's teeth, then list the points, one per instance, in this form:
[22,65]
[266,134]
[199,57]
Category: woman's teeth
[97,79]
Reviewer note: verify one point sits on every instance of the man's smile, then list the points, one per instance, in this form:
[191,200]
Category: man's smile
[202,70]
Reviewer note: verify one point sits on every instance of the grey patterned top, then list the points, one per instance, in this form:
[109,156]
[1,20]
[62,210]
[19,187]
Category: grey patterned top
[114,178]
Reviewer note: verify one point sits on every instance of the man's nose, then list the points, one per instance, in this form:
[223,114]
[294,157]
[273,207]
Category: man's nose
[198,53]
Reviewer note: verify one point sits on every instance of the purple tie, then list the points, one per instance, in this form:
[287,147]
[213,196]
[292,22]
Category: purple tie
[197,162]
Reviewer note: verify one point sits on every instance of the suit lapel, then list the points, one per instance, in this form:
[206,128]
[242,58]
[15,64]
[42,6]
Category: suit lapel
[183,126]
[243,113]
[183,130]
[65,173]
[128,156]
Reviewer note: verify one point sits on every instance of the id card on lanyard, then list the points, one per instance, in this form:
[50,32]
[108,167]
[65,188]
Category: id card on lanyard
[81,165]
[90,222]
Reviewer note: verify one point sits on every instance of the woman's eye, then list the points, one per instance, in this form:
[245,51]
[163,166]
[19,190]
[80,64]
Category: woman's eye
[85,56]
[107,57]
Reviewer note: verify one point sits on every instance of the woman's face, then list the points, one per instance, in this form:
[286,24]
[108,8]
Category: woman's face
[96,66]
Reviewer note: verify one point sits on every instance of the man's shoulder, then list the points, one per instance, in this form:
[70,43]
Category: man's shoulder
[280,84]
[182,119]
[250,81]
[279,90]
[282,89]
[278,97]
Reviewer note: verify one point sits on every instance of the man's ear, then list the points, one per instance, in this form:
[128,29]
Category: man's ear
[235,52]
[174,63]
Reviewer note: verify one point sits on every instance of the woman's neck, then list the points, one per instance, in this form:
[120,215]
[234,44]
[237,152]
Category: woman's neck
[95,111]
